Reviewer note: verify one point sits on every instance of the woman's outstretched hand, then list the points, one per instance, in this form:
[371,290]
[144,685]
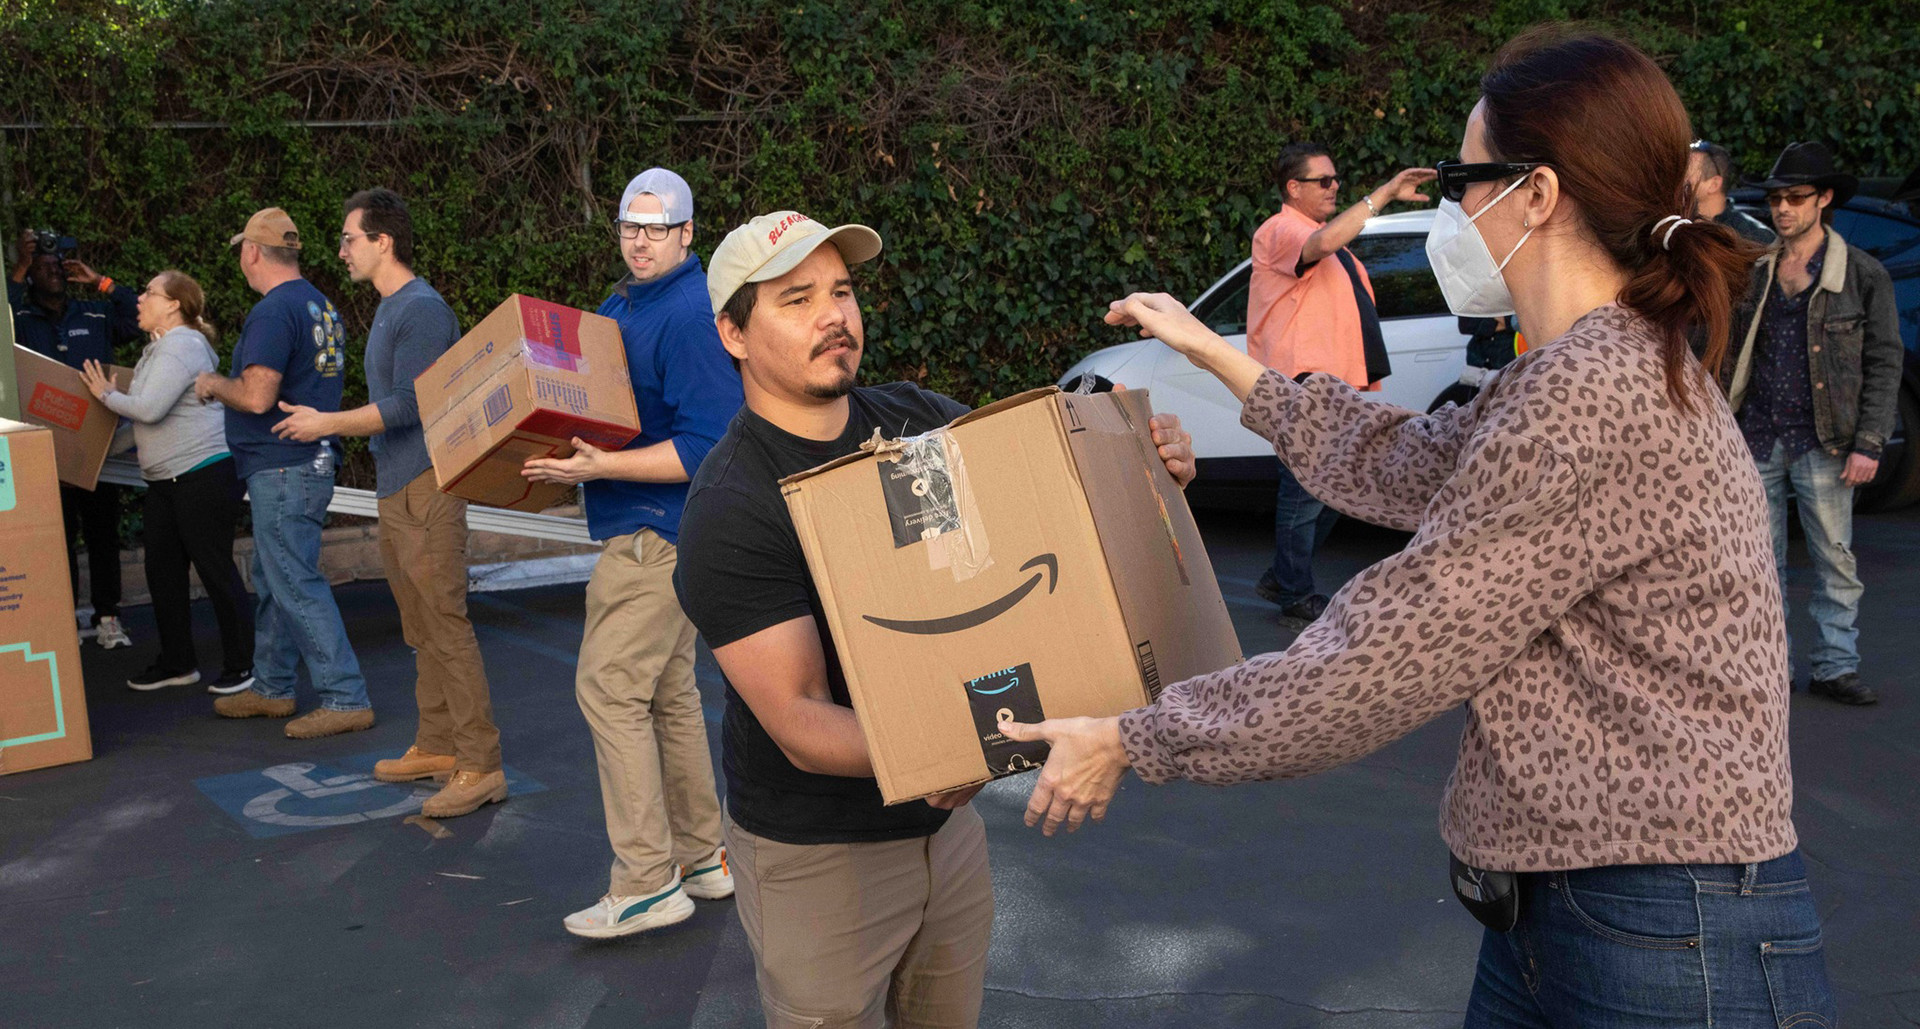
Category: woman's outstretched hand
[1166,319]
[1082,773]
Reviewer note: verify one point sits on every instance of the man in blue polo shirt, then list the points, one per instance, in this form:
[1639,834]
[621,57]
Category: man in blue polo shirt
[74,330]
[635,678]
[291,348]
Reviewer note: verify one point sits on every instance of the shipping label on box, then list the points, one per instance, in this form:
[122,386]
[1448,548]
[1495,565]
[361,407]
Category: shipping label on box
[54,395]
[43,709]
[525,382]
[1032,560]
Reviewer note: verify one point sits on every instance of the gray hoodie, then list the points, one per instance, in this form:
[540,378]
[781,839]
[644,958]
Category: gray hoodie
[172,429]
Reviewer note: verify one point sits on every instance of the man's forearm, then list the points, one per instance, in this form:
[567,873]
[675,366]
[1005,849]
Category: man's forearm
[233,393]
[824,738]
[658,462]
[361,421]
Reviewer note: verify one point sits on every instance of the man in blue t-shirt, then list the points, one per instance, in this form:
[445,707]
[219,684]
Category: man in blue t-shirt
[423,532]
[291,348]
[635,678]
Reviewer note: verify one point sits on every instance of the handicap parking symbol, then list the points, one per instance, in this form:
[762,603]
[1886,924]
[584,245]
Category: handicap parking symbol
[301,795]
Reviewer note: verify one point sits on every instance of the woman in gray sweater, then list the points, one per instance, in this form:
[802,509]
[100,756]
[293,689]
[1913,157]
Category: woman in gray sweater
[193,496]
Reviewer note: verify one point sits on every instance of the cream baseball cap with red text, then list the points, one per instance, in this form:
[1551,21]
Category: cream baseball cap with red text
[774,244]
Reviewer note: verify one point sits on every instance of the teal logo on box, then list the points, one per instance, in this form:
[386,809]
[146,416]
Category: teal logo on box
[7,496]
[52,661]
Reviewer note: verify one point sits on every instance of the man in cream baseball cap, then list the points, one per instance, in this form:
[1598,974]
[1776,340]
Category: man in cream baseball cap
[851,907]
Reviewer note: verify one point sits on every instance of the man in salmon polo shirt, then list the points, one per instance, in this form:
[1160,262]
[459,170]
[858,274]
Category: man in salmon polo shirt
[1310,309]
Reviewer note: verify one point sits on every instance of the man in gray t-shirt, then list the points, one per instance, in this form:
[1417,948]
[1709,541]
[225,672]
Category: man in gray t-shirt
[423,532]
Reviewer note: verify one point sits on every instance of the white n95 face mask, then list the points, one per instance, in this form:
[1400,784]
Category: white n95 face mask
[1469,278]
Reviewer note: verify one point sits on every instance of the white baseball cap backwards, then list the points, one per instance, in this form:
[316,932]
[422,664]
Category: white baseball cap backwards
[676,198]
[774,244]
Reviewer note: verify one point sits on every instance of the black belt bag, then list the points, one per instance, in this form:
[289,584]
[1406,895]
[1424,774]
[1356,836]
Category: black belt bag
[1492,898]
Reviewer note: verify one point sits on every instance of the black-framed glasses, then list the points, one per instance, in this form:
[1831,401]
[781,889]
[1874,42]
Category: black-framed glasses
[1323,181]
[1456,176]
[632,230]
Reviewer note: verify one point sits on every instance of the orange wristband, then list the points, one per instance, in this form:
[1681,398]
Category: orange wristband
[106,284]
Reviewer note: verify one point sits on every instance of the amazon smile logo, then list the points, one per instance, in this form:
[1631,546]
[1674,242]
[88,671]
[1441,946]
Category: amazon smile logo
[1049,566]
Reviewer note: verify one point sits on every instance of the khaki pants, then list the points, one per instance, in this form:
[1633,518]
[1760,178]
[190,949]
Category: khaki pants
[861,935]
[635,685]
[423,544]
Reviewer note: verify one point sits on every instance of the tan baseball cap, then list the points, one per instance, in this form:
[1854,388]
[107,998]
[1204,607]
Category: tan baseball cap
[269,228]
[774,244]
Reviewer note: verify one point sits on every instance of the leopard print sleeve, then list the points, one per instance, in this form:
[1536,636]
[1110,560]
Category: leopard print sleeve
[1501,556]
[1379,463]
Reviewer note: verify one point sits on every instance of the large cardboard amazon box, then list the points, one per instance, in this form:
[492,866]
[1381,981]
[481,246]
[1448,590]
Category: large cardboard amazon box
[43,709]
[1033,558]
[54,396]
[524,383]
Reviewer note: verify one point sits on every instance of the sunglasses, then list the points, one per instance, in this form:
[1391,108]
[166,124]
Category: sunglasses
[1323,181]
[632,230]
[1784,199]
[1456,176]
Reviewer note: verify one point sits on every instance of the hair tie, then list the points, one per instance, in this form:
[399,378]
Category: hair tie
[1666,240]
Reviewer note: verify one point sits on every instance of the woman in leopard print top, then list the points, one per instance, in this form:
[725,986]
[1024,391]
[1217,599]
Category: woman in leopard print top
[1591,574]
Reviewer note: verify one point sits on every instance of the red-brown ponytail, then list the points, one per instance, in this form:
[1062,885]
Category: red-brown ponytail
[1605,118]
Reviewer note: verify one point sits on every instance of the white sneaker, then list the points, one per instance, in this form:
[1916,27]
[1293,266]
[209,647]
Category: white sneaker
[711,879]
[111,634]
[615,915]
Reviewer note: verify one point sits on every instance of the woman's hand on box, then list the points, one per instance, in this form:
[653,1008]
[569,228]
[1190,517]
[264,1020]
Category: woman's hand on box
[1085,762]
[586,464]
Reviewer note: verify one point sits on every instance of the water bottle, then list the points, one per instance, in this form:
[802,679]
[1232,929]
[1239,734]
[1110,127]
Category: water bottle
[323,460]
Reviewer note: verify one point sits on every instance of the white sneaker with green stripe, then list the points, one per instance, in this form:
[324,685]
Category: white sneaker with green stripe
[711,879]
[615,915]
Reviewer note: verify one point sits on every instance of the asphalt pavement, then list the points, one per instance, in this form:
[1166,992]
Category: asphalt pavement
[204,872]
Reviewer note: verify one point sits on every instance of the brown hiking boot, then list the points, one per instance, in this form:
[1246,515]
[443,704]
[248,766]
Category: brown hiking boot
[465,792]
[324,722]
[250,704]
[414,764]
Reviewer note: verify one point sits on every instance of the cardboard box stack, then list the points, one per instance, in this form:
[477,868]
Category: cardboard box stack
[54,396]
[523,383]
[43,709]
[1033,558]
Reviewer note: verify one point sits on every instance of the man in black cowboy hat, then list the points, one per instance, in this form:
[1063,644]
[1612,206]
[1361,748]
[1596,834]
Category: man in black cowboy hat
[1815,368]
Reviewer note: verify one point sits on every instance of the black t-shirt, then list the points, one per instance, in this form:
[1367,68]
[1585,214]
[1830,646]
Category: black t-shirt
[741,570]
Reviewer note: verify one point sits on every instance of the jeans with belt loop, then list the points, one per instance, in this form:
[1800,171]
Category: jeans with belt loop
[1656,946]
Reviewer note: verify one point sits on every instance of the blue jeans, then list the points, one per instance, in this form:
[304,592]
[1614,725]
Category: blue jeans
[1826,513]
[1300,524]
[295,617]
[1656,946]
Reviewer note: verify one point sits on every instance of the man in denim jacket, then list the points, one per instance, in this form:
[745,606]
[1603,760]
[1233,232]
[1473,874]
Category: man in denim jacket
[1815,374]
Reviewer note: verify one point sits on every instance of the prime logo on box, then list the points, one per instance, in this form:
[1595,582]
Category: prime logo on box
[1011,695]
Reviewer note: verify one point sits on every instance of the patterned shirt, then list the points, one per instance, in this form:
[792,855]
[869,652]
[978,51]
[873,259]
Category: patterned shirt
[1779,406]
[1591,573]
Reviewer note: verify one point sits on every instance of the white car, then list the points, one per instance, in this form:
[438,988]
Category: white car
[1424,344]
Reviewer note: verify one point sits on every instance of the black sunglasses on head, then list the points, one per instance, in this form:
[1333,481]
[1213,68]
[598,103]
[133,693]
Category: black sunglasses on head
[1456,176]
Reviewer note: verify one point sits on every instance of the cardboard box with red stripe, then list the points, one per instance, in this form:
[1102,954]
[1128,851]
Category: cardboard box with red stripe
[525,382]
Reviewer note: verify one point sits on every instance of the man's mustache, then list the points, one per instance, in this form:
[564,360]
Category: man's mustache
[840,338]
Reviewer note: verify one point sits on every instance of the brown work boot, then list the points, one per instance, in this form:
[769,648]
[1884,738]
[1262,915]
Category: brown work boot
[465,792]
[414,764]
[250,704]
[325,722]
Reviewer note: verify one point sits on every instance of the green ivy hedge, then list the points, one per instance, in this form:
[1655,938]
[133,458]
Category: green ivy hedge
[1026,160]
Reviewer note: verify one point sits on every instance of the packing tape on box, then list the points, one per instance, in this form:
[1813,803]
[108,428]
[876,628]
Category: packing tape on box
[929,500]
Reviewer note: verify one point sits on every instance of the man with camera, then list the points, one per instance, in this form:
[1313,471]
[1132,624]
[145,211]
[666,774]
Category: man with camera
[73,330]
